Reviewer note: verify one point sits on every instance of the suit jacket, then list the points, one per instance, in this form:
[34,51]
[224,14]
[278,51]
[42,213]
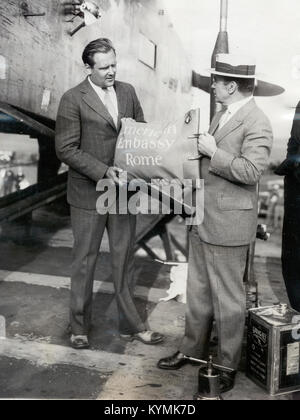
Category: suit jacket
[290,167]
[231,177]
[86,137]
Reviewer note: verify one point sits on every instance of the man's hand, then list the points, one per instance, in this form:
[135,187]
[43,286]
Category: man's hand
[114,174]
[207,145]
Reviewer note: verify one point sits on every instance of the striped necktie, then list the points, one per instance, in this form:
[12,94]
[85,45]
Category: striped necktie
[110,107]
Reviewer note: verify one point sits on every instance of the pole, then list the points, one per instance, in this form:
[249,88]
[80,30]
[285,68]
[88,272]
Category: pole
[221,46]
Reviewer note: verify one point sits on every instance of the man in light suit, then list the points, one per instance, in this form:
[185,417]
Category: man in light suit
[87,127]
[235,153]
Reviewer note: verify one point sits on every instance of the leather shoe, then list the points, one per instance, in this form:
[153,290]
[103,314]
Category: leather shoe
[227,381]
[79,342]
[174,362]
[146,337]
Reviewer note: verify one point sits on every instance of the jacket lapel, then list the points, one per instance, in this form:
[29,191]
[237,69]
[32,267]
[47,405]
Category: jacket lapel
[215,123]
[93,101]
[122,102]
[228,128]
[235,122]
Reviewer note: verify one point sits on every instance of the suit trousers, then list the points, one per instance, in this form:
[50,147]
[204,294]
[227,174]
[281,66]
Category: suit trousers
[88,229]
[215,292]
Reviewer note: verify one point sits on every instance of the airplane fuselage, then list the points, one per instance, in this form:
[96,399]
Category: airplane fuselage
[40,60]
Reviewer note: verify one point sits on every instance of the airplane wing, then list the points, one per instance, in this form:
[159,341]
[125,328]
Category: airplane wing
[14,121]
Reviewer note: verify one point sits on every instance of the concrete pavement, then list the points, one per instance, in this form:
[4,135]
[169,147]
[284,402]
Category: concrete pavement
[35,358]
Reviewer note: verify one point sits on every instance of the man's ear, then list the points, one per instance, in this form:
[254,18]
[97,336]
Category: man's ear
[232,88]
[88,68]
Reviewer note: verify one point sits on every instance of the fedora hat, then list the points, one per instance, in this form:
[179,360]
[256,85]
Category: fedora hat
[232,65]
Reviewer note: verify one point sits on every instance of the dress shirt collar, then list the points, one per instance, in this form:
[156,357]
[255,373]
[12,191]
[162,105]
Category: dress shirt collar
[101,92]
[232,109]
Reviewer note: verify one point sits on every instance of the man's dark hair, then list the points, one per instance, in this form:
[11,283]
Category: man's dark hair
[244,85]
[101,45]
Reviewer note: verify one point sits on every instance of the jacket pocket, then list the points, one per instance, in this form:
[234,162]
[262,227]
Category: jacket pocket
[227,203]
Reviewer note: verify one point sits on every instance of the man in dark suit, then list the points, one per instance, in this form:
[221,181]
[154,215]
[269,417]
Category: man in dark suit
[87,127]
[290,168]
[235,153]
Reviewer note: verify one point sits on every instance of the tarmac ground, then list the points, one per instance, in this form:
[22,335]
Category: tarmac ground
[36,361]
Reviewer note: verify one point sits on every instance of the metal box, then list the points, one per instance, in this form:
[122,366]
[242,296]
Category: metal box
[273,349]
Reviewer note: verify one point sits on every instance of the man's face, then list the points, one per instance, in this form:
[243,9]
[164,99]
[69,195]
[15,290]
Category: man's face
[103,73]
[221,90]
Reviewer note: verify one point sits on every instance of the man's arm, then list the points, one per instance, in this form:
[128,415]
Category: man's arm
[290,166]
[254,159]
[294,142]
[67,141]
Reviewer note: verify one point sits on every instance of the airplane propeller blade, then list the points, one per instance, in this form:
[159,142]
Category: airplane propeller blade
[201,82]
[221,46]
[268,89]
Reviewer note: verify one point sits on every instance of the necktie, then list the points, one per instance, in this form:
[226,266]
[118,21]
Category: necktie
[110,107]
[225,117]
